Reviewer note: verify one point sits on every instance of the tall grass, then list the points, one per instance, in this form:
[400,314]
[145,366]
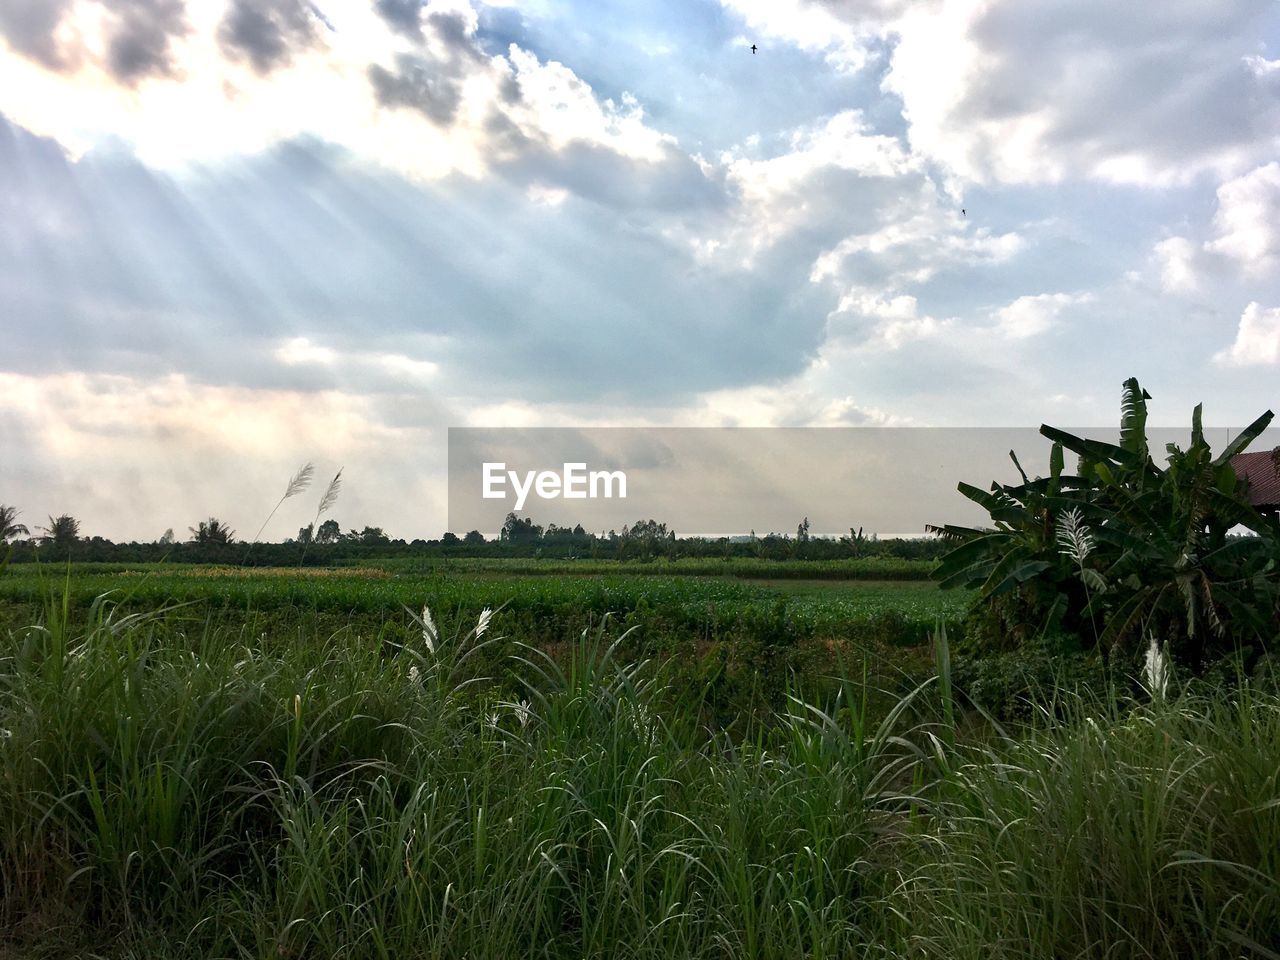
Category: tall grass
[173,789]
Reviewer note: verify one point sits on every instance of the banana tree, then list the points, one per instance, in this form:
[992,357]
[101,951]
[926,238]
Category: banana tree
[1159,557]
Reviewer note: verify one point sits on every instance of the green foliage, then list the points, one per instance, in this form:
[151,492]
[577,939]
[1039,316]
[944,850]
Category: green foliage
[1009,685]
[1124,549]
[172,790]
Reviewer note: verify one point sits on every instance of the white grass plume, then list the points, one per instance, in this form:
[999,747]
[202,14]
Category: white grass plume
[326,502]
[297,484]
[1155,670]
[430,633]
[1075,540]
[330,494]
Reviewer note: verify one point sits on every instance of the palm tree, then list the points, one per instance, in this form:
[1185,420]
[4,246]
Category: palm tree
[212,530]
[62,531]
[9,525]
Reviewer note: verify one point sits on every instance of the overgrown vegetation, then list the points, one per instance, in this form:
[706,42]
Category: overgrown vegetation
[169,789]
[1124,553]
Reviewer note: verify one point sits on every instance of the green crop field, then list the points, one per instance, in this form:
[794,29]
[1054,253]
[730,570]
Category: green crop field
[667,609]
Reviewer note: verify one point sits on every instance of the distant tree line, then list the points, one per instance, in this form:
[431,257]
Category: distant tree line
[213,541]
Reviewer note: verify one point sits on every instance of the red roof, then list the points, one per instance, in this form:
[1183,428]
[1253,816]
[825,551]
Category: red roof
[1263,473]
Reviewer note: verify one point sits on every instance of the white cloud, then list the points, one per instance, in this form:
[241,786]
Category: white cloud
[1248,219]
[212,107]
[1176,257]
[793,404]
[1262,67]
[1257,339]
[1045,90]
[373,369]
[562,108]
[916,234]
[299,351]
[780,194]
[1033,315]
[811,27]
[864,318]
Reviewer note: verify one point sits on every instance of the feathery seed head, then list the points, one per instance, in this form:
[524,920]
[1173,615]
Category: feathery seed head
[1073,535]
[429,632]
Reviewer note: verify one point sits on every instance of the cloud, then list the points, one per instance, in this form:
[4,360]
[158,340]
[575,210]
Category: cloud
[1047,90]
[140,44]
[1261,66]
[864,318]
[111,266]
[369,372]
[916,240]
[1257,339]
[1033,315]
[415,90]
[404,16]
[1044,91]
[136,35]
[1176,257]
[430,80]
[418,84]
[794,404]
[837,155]
[813,27]
[267,33]
[1248,220]
[29,28]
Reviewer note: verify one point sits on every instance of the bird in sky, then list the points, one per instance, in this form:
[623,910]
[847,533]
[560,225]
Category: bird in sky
[962,213]
[753,49]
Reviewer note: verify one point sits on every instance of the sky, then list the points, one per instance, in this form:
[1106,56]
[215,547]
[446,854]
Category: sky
[241,235]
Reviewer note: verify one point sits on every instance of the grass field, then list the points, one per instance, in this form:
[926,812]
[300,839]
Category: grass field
[210,763]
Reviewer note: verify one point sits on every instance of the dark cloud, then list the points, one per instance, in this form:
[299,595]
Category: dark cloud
[139,45]
[404,16]
[454,32]
[139,33]
[429,82]
[420,84]
[28,27]
[267,32]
